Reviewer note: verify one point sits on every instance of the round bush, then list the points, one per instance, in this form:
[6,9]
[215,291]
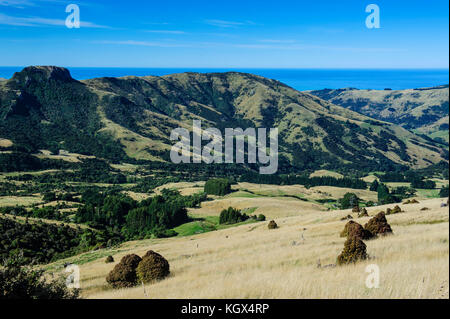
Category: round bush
[272,225]
[354,250]
[124,273]
[353,229]
[363,213]
[378,225]
[355,209]
[109,259]
[152,267]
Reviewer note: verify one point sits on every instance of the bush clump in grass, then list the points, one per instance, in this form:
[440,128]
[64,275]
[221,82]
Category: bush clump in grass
[109,259]
[124,273]
[355,209]
[394,210]
[232,216]
[152,267]
[353,229]
[411,201]
[261,218]
[272,225]
[363,213]
[354,250]
[378,225]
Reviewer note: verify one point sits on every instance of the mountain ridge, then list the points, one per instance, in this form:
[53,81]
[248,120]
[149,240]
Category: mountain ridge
[132,117]
[423,110]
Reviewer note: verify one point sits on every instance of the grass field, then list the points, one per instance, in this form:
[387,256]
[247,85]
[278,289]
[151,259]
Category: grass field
[250,261]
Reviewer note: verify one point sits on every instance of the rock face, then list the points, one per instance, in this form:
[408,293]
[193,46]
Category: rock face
[152,267]
[124,273]
[378,225]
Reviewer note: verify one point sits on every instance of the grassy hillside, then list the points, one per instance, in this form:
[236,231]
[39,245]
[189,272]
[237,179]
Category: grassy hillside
[130,118]
[250,261]
[423,110]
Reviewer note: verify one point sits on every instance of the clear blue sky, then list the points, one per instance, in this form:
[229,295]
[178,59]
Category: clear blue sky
[240,34]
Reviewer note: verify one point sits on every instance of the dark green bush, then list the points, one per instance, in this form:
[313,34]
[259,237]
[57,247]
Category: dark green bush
[19,281]
[261,218]
[232,216]
[218,186]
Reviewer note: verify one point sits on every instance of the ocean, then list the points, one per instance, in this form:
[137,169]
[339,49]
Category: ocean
[300,79]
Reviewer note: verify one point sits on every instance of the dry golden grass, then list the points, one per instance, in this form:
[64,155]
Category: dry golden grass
[19,200]
[185,188]
[5,143]
[251,261]
[324,172]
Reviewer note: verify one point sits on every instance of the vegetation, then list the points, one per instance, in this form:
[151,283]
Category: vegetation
[444,192]
[232,216]
[124,273]
[349,200]
[353,229]
[218,186]
[354,250]
[42,242]
[152,267]
[18,280]
[378,225]
[272,225]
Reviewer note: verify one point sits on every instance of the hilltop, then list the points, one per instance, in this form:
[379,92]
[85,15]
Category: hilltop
[130,118]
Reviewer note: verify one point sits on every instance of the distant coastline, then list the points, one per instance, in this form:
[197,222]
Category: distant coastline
[300,79]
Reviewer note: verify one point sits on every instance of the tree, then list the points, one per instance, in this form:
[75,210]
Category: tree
[384,196]
[218,186]
[349,200]
[444,192]
[374,186]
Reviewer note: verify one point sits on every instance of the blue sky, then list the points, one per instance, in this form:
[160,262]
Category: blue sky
[224,34]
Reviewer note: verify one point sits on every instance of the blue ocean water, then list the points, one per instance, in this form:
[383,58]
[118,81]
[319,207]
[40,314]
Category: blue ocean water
[300,79]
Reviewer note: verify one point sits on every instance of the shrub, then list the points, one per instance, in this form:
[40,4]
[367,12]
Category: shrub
[232,216]
[363,213]
[261,218]
[395,210]
[109,259]
[348,201]
[18,281]
[272,225]
[124,273]
[355,209]
[152,267]
[218,186]
[354,250]
[444,192]
[353,229]
[378,225]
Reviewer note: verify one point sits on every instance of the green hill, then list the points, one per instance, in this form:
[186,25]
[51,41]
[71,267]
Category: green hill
[130,118]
